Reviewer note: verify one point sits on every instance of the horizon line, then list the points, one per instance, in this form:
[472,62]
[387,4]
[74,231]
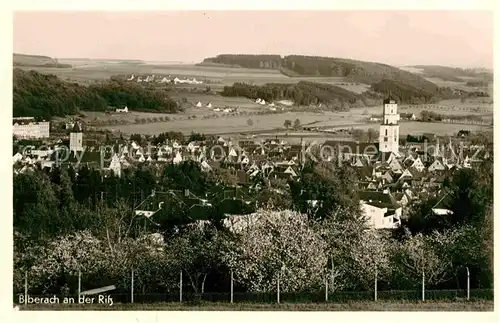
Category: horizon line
[255,54]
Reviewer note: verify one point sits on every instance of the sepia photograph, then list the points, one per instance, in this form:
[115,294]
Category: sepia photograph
[252,160]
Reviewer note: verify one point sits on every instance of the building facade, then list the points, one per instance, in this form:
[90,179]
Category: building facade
[27,127]
[389,129]
[76,139]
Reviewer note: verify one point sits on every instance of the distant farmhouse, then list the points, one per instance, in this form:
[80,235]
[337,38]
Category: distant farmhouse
[27,127]
[124,110]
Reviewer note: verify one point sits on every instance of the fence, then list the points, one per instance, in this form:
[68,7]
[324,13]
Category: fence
[320,296]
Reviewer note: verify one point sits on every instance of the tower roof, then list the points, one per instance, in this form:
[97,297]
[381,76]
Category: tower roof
[390,98]
[76,127]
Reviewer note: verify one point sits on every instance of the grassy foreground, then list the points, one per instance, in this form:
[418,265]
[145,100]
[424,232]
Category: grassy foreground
[479,305]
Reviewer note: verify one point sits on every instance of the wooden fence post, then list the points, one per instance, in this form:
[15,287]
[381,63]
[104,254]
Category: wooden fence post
[278,294]
[132,287]
[79,283]
[326,289]
[180,288]
[26,288]
[232,286]
[423,286]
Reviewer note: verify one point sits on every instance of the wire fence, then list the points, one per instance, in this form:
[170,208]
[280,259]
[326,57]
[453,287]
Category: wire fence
[127,294]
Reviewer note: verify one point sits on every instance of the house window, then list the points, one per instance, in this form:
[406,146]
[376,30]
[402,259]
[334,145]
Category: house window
[385,139]
[386,132]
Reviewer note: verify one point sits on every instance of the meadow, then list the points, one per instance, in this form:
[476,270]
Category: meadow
[478,305]
[240,123]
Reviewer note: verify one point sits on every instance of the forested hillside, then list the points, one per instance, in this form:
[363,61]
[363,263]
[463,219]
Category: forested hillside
[45,95]
[352,70]
[303,93]
[36,60]
[454,74]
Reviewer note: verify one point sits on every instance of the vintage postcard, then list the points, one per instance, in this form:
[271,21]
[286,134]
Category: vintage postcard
[252,160]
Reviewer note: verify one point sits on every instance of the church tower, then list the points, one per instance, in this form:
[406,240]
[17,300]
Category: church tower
[389,129]
[76,139]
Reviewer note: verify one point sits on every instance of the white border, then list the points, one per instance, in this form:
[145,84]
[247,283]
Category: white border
[6,170]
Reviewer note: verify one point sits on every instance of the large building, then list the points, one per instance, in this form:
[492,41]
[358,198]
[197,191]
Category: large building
[76,139]
[389,129]
[27,127]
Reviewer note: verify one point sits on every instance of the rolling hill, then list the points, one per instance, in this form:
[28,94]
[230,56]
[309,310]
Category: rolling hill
[45,96]
[351,70]
[36,60]
[453,74]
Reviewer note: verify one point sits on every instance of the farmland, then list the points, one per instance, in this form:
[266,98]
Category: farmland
[274,122]
[214,76]
[220,123]
[217,76]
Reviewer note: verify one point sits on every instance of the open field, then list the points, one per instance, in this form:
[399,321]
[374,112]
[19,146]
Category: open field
[215,76]
[232,124]
[461,85]
[225,124]
[479,306]
[270,122]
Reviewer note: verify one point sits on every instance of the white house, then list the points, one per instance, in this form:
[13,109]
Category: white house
[436,165]
[115,165]
[135,146]
[418,165]
[178,158]
[290,171]
[198,105]
[380,210]
[442,211]
[232,152]
[192,147]
[205,166]
[124,110]
[209,105]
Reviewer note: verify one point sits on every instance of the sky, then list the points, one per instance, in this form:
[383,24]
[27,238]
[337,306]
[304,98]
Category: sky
[451,38]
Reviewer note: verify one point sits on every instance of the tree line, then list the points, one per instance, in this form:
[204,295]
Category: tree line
[45,95]
[303,93]
[429,116]
[313,93]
